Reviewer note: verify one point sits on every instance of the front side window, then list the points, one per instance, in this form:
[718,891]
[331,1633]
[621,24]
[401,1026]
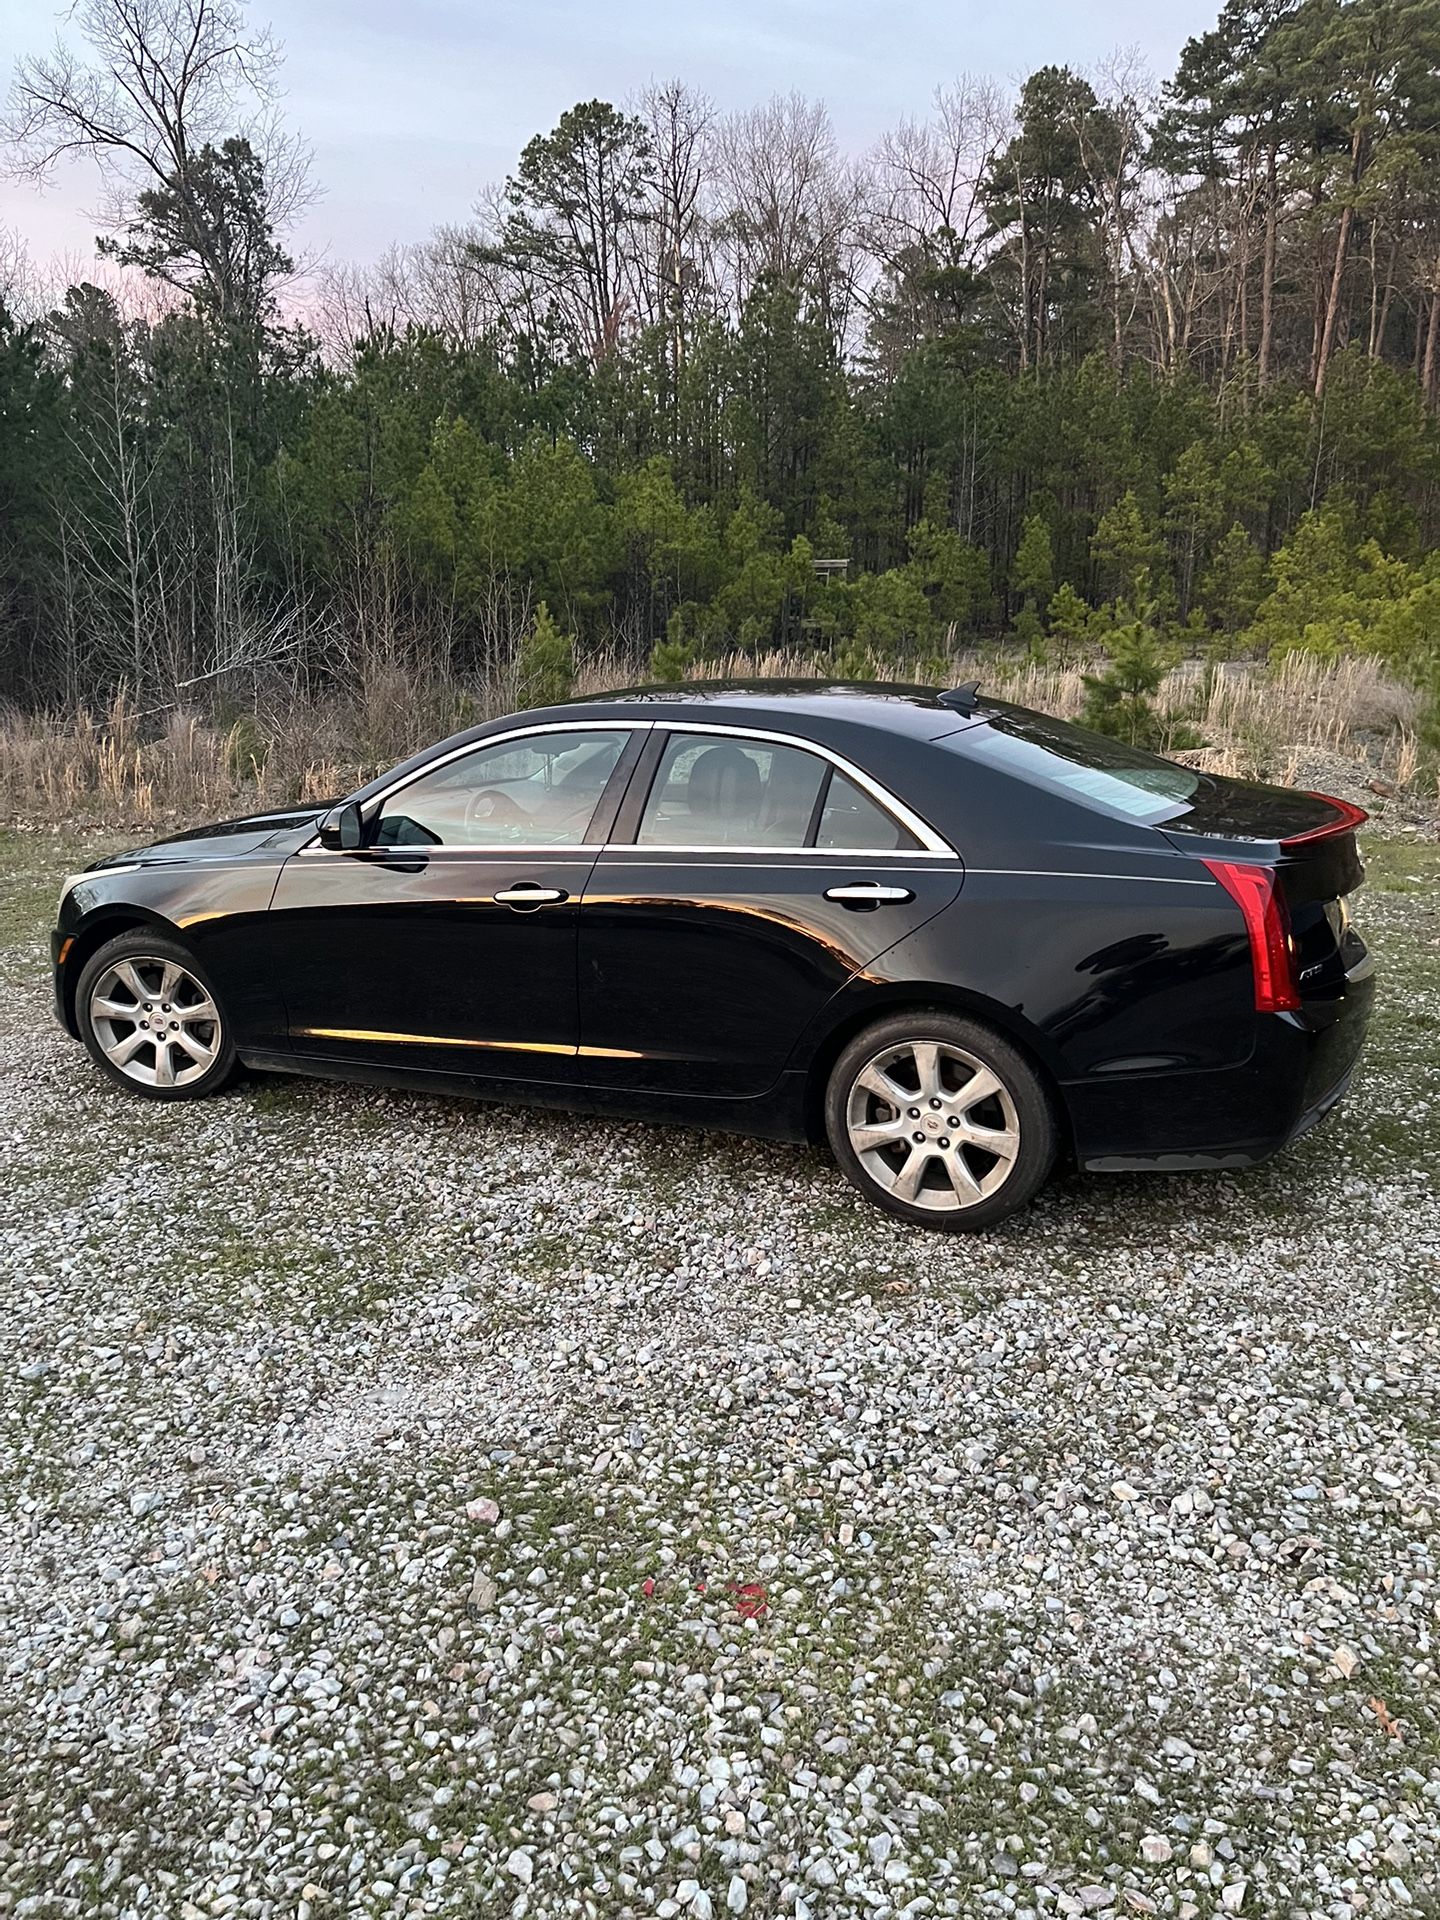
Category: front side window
[538,791]
[714,790]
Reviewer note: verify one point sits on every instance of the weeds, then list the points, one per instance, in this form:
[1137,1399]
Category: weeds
[125,767]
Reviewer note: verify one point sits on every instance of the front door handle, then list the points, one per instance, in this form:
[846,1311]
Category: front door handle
[528,895]
[868,893]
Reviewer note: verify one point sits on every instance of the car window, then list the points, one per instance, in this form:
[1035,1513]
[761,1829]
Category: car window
[540,790]
[1087,766]
[850,818]
[716,791]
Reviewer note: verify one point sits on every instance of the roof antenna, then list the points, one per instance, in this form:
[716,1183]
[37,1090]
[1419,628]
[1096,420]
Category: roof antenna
[964,699]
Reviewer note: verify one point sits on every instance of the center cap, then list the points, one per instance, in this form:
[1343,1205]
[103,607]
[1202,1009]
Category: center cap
[932,1123]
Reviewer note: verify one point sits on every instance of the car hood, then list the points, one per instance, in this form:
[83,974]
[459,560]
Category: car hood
[282,829]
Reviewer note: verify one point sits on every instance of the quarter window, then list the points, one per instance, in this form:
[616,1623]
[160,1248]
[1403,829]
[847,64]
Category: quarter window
[538,791]
[719,790]
[850,818]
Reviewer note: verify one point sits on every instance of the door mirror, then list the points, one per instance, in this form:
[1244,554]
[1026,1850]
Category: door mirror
[342,829]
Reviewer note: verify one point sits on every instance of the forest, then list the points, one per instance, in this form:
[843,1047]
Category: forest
[1113,371]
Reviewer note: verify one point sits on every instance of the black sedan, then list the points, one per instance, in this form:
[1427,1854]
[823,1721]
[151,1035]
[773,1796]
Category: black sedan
[957,939]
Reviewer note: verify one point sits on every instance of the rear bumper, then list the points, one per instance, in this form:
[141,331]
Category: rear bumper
[1300,1067]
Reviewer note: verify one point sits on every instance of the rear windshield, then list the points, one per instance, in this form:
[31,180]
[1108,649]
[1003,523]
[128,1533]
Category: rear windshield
[1087,766]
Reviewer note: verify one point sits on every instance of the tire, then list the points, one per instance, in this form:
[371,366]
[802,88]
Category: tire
[905,1152]
[165,984]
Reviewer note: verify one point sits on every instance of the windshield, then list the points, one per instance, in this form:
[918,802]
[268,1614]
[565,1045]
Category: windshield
[1090,766]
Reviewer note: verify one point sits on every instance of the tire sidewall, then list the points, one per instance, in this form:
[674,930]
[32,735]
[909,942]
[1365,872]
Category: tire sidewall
[134,944]
[1039,1132]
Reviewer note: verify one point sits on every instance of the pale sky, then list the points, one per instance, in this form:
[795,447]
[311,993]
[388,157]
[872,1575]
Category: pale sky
[412,106]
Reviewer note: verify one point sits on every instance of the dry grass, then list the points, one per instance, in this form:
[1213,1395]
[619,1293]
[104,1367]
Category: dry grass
[122,769]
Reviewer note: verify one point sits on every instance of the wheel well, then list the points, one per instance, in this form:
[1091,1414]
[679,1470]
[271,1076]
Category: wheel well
[91,937]
[938,1001]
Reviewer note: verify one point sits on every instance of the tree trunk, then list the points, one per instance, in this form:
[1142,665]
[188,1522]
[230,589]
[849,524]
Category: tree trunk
[1429,371]
[1267,271]
[1326,343]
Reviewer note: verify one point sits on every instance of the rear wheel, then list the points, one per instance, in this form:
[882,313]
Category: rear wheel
[151,1019]
[940,1120]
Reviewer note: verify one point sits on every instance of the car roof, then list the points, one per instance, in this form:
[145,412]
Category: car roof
[890,707]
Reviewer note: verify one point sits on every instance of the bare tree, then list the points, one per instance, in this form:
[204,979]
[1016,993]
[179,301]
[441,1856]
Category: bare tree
[167,87]
[20,289]
[1111,145]
[926,175]
[924,218]
[679,121]
[787,206]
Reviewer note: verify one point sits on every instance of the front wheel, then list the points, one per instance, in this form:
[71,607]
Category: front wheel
[151,1019]
[940,1120]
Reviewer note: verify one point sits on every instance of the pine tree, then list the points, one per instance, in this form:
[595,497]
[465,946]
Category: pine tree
[547,661]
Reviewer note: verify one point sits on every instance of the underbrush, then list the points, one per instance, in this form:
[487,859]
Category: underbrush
[123,767]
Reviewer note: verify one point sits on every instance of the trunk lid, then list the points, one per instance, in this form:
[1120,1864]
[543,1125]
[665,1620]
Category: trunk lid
[1307,840]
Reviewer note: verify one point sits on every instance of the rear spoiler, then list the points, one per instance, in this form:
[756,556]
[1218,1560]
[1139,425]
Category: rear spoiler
[1347,819]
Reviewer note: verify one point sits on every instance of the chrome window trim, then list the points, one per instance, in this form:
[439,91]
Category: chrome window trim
[790,855]
[932,844]
[552,849]
[377,800]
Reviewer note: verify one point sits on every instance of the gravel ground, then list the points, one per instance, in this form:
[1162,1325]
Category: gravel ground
[412,1507]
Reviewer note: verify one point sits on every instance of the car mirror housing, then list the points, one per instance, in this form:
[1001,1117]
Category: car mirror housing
[342,828]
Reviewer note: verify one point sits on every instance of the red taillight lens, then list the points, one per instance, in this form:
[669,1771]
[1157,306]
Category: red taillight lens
[1347,819]
[1272,955]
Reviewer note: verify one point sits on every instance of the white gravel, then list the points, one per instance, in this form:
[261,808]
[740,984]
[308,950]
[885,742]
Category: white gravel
[412,1507]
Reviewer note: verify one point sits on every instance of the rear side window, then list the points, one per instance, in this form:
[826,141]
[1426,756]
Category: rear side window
[714,791]
[723,790]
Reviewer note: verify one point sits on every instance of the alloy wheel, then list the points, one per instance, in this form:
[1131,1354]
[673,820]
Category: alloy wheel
[155,1022]
[933,1125]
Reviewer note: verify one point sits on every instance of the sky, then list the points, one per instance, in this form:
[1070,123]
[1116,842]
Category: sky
[413,106]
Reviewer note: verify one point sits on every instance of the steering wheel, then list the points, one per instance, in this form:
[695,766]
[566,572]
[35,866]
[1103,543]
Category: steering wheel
[495,808]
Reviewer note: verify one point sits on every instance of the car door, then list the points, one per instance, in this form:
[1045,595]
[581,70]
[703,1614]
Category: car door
[447,942]
[750,876]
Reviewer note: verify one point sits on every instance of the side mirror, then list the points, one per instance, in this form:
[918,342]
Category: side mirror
[342,829]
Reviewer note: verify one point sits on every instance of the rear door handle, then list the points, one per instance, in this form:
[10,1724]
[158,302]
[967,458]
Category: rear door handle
[528,895]
[868,893]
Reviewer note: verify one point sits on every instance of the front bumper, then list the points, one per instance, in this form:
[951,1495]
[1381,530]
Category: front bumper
[60,942]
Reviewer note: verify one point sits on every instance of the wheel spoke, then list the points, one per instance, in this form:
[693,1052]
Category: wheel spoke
[125,1050]
[196,1049]
[201,1015]
[164,1063]
[114,1009]
[875,1080]
[907,1181]
[1003,1142]
[926,1056]
[170,978]
[983,1085]
[967,1187]
[126,970]
[878,1133]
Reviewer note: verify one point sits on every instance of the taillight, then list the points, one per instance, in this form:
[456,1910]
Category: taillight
[1347,819]
[1272,952]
